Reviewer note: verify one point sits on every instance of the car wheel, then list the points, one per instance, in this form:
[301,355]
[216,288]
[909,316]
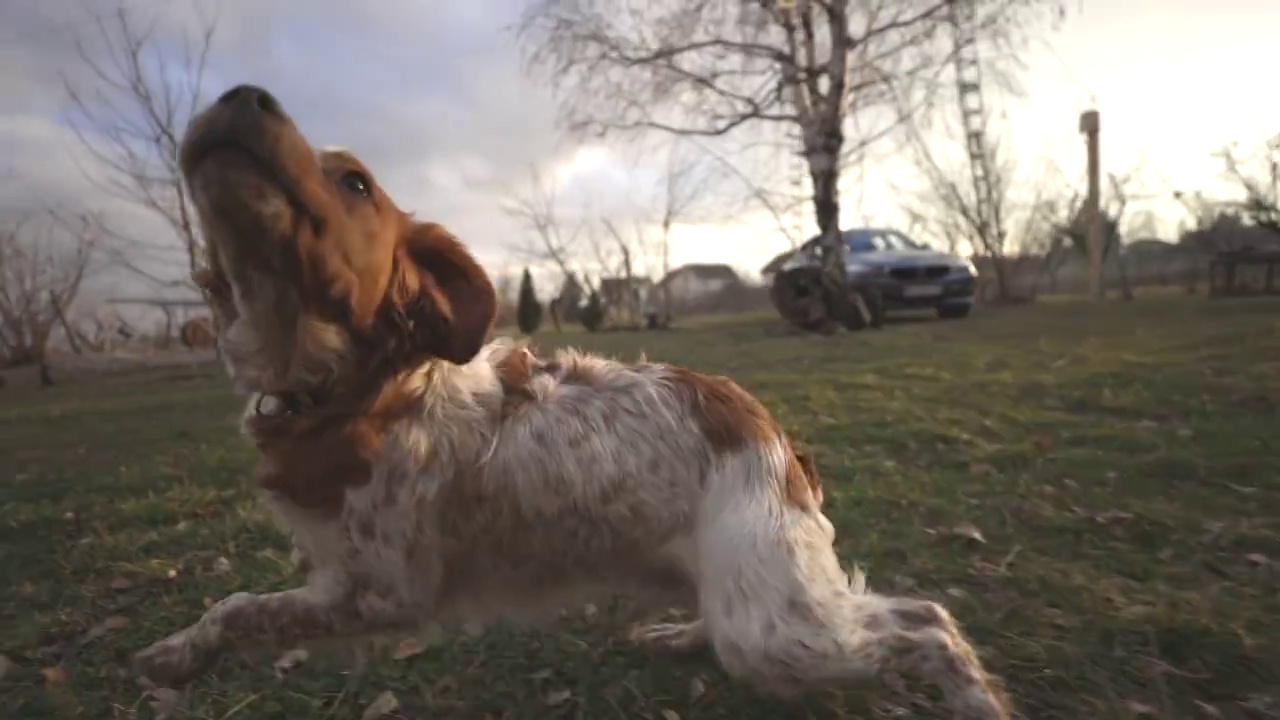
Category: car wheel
[954,312]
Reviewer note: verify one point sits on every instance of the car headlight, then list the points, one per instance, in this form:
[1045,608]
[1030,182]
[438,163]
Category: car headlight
[859,270]
[966,267]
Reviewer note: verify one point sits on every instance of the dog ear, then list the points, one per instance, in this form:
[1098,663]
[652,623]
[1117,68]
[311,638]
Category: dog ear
[441,301]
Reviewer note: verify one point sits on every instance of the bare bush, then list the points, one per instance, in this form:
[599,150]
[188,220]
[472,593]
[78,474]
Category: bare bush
[43,261]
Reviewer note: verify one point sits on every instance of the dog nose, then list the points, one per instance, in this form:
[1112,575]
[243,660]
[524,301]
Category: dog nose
[250,98]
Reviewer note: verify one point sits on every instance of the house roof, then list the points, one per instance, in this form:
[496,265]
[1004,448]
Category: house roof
[702,271]
[616,287]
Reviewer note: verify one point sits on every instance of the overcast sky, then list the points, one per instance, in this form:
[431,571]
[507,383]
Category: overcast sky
[432,96]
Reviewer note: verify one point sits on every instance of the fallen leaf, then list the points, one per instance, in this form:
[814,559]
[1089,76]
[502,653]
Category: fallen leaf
[1208,709]
[1258,559]
[7,666]
[543,674]
[1109,516]
[968,531]
[54,676]
[981,468]
[669,714]
[697,688]
[902,583]
[446,684]
[165,702]
[407,648]
[221,566]
[114,622]
[383,705]
[590,611]
[1043,444]
[957,593]
[288,661]
[1008,559]
[558,697]
[1138,708]
[120,584]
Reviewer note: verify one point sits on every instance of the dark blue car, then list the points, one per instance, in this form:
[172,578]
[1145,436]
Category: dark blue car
[910,275]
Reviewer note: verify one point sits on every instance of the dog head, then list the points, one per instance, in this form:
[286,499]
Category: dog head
[313,272]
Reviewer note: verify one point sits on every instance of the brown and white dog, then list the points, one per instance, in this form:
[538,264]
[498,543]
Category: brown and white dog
[429,477]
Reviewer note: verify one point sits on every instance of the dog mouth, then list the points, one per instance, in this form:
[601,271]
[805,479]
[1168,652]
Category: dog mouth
[237,172]
[216,156]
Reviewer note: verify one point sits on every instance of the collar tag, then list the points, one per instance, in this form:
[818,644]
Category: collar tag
[274,405]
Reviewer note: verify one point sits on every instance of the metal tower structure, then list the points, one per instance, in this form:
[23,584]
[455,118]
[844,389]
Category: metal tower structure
[973,117]
[796,170]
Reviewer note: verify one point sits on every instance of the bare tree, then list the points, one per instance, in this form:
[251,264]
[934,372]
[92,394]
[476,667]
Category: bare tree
[684,182]
[1257,176]
[946,207]
[43,261]
[757,196]
[549,235]
[129,113]
[1120,191]
[713,67]
[536,208]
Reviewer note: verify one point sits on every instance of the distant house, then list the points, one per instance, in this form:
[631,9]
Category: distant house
[696,281]
[626,301]
[1228,232]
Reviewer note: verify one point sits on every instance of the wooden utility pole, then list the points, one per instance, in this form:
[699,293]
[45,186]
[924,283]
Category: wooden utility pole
[1089,126]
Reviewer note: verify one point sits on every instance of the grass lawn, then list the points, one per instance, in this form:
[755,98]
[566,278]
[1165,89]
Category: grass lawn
[1094,492]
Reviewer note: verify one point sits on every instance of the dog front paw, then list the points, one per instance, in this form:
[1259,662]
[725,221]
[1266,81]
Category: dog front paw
[174,661]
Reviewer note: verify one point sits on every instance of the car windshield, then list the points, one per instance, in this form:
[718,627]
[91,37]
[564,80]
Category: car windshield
[879,240]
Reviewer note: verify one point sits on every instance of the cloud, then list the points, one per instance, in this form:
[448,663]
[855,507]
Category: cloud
[432,96]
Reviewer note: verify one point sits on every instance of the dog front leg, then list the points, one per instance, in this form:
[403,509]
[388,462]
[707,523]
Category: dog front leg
[274,621]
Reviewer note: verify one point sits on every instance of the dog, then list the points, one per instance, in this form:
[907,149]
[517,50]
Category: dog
[429,475]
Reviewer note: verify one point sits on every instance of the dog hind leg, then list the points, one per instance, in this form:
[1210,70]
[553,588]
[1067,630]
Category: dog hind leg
[780,612]
[817,639]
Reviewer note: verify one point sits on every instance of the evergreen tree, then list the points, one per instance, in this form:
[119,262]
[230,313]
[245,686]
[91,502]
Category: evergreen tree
[528,311]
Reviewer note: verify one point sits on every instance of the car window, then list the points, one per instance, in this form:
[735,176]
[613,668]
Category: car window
[862,242]
[905,242]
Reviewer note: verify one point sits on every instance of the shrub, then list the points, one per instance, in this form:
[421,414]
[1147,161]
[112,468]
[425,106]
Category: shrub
[592,314]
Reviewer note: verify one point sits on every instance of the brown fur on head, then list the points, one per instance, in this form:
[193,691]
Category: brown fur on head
[314,273]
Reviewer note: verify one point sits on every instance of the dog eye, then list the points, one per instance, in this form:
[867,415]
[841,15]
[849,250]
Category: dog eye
[356,183]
